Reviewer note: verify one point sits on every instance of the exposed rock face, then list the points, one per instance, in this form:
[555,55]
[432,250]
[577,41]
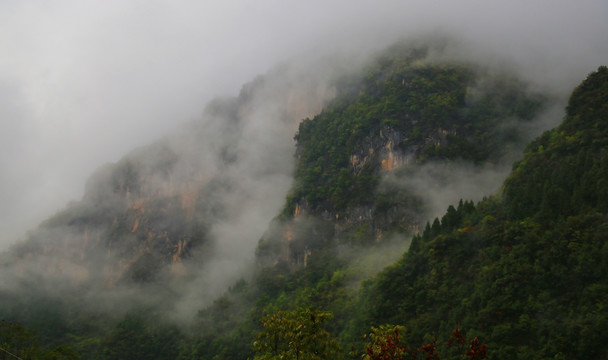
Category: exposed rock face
[295,238]
[384,147]
[361,161]
[114,238]
[196,190]
[290,242]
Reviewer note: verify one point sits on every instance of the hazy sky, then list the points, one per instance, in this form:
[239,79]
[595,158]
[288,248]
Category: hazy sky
[83,82]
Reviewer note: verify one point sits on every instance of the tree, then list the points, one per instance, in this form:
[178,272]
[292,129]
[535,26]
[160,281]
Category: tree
[385,343]
[61,352]
[296,335]
[17,342]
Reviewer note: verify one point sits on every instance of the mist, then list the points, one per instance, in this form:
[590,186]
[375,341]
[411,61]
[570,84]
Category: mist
[82,83]
[189,207]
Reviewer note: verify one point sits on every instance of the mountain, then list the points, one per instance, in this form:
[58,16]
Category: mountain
[368,167]
[396,134]
[172,224]
[179,248]
[141,217]
[524,269]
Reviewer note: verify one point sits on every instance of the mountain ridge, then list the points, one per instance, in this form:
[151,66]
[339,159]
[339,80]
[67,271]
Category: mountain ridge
[524,269]
[318,256]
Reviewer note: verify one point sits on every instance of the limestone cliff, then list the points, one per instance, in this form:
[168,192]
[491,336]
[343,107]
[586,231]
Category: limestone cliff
[363,163]
[215,182]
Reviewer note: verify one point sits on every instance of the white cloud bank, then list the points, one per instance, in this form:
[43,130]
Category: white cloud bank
[83,82]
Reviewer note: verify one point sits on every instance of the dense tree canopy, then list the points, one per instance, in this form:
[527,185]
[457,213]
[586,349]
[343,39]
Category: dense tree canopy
[403,94]
[524,269]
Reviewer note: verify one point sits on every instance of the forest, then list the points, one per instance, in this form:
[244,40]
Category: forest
[520,274]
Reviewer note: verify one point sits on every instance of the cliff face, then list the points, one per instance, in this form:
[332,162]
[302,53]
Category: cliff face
[368,165]
[134,220]
[531,260]
[309,227]
[211,184]
[374,162]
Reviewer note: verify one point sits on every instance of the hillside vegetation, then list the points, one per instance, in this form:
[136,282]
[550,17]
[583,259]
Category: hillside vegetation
[525,269]
[349,263]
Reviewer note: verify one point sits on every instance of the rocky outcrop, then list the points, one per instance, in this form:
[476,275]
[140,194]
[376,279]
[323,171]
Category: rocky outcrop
[143,216]
[381,148]
[290,242]
[384,151]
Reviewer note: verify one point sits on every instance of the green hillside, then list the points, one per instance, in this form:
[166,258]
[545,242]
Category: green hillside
[426,108]
[438,111]
[388,125]
[528,282]
[524,270]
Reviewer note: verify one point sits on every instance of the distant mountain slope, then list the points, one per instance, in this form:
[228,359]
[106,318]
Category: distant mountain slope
[408,129]
[183,214]
[162,233]
[409,126]
[525,270]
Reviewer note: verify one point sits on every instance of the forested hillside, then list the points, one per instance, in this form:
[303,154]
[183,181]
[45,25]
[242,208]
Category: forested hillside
[528,282]
[402,130]
[522,270]
[353,204]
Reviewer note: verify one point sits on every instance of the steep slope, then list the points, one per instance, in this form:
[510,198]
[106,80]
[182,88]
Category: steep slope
[406,129]
[172,224]
[164,231]
[163,198]
[524,270]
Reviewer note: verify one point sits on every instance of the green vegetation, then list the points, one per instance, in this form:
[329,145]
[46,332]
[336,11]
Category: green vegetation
[295,335]
[439,111]
[17,342]
[529,282]
[524,270]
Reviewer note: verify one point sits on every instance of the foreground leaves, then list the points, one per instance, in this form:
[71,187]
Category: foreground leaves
[296,335]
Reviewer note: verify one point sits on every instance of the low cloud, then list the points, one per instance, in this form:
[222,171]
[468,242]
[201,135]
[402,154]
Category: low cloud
[84,83]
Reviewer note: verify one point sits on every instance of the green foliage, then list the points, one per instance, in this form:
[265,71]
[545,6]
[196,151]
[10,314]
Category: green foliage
[515,284]
[17,342]
[136,338]
[525,271]
[564,172]
[385,343]
[588,102]
[225,329]
[440,112]
[295,335]
[61,352]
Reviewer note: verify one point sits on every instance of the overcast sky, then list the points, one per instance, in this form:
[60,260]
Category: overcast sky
[83,82]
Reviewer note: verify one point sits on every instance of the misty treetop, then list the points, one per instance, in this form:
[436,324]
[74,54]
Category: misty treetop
[438,111]
[525,269]
[565,171]
[522,273]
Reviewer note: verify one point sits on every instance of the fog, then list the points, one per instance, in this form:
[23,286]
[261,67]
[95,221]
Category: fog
[82,83]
